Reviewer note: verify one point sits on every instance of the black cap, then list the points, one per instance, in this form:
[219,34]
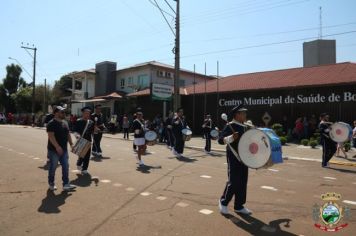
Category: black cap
[179,109]
[98,106]
[238,108]
[323,114]
[87,108]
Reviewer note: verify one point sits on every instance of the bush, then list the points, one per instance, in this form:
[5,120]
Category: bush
[313,143]
[304,142]
[347,146]
[316,135]
[283,140]
[278,129]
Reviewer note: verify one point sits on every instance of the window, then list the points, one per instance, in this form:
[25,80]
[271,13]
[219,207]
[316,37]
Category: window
[130,81]
[122,83]
[143,81]
[181,83]
[160,73]
[78,85]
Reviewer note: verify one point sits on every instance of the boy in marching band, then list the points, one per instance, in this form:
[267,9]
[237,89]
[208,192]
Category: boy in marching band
[236,185]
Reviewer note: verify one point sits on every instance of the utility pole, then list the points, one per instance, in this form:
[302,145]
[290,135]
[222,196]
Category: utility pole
[176,100]
[34,49]
[45,97]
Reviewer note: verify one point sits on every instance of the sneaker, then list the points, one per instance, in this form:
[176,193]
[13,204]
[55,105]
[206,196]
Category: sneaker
[179,155]
[174,152]
[79,168]
[244,211]
[99,154]
[94,153]
[52,187]
[68,187]
[85,172]
[140,163]
[223,209]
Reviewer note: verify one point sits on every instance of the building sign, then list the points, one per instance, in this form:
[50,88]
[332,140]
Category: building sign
[296,99]
[161,92]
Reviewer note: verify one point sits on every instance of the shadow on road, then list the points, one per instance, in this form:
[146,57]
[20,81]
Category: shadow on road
[84,180]
[256,227]
[99,159]
[186,159]
[51,203]
[146,169]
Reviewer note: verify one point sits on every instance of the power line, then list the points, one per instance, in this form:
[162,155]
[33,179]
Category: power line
[162,12]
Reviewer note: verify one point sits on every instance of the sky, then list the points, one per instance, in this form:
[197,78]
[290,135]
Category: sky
[244,36]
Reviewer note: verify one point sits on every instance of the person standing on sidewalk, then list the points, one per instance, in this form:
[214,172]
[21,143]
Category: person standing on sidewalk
[58,138]
[329,146]
[87,125]
[126,126]
[236,185]
[98,119]
[207,127]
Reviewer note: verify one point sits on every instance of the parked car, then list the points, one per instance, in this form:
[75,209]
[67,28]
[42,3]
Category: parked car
[2,118]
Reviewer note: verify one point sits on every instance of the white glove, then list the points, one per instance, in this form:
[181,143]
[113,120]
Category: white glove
[229,139]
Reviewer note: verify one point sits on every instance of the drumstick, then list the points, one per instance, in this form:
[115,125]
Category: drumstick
[224,117]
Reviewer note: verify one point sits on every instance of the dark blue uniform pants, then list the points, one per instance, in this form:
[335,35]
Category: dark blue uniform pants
[329,149]
[96,144]
[207,141]
[236,184]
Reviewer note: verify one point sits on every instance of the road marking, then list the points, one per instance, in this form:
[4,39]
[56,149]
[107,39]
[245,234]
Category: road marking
[21,153]
[327,177]
[75,171]
[117,185]
[182,204]
[349,202]
[105,181]
[130,189]
[145,194]
[269,188]
[206,211]
[273,170]
[9,149]
[225,163]
[36,158]
[206,176]
[161,198]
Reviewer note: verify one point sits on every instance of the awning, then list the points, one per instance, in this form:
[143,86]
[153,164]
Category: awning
[89,100]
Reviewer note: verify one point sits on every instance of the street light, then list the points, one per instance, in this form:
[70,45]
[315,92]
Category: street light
[22,67]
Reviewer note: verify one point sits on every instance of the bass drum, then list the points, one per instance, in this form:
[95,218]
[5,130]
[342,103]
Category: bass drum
[340,132]
[151,138]
[260,148]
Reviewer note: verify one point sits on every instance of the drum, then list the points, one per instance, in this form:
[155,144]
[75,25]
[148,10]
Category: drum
[151,138]
[260,148]
[81,147]
[340,132]
[214,134]
[187,134]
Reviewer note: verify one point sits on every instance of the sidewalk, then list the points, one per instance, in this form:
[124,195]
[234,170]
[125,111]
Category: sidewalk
[290,151]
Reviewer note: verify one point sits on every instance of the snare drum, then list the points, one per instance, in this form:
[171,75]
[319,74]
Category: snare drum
[151,138]
[187,134]
[340,132]
[214,134]
[260,148]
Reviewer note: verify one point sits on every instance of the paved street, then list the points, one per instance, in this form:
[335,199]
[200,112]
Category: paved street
[169,197]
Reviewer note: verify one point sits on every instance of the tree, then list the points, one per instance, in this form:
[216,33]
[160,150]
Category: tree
[10,85]
[61,88]
[23,100]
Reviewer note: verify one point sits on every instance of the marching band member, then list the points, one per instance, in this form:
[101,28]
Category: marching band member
[139,136]
[81,124]
[178,124]
[169,131]
[329,146]
[97,118]
[237,171]
[207,127]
